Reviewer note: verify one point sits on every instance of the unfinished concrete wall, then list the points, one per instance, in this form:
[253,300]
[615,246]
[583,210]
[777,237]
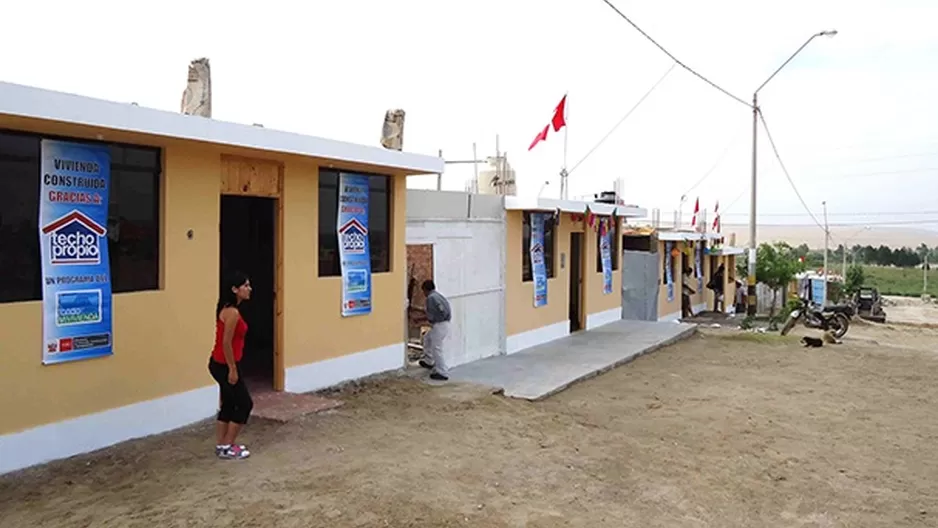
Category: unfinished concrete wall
[467,235]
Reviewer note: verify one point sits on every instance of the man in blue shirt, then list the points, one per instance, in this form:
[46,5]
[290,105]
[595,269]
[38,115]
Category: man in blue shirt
[439,315]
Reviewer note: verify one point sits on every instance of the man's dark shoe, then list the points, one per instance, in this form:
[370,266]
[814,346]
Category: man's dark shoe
[424,364]
[438,377]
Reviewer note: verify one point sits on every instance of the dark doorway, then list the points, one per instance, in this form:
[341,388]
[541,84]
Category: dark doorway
[576,281]
[246,239]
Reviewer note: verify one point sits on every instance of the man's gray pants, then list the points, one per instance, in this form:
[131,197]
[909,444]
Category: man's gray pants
[433,347]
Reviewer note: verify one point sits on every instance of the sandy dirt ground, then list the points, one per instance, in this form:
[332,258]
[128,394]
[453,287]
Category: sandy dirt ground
[911,310]
[723,430]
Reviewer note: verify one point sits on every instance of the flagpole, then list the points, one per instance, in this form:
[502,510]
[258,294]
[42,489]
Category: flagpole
[564,192]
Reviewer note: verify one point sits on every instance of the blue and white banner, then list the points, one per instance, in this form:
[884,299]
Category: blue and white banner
[354,249]
[76,272]
[538,265]
[699,265]
[668,276]
[817,291]
[605,253]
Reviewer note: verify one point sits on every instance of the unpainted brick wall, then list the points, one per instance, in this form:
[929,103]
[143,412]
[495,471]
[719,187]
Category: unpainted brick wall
[420,268]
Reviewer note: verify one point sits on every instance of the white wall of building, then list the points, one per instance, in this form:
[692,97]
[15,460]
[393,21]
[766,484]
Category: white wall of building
[467,232]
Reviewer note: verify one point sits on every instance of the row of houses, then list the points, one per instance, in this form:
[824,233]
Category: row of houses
[116,223]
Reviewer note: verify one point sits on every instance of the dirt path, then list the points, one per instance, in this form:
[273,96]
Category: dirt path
[911,310]
[717,431]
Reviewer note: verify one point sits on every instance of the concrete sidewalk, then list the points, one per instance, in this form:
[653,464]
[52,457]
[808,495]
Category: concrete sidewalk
[541,371]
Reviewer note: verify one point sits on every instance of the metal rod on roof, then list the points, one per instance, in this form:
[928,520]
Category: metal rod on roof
[475,169]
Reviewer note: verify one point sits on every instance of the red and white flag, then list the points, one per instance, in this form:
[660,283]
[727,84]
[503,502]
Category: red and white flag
[558,121]
[716,217]
[693,221]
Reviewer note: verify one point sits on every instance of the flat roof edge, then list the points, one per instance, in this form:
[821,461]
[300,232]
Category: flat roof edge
[41,104]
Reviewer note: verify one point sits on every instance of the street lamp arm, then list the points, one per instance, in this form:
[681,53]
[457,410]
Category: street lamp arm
[793,55]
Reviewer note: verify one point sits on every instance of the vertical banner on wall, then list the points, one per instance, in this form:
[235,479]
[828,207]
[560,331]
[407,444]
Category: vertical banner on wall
[605,254]
[538,266]
[354,249]
[76,272]
[817,291]
[699,265]
[668,276]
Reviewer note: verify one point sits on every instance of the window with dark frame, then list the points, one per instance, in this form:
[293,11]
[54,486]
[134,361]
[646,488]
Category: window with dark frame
[614,247]
[549,236]
[133,217]
[379,222]
[664,264]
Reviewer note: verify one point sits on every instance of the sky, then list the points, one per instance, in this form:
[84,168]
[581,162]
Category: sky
[853,116]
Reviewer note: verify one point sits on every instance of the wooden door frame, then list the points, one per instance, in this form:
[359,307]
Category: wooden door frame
[274,192]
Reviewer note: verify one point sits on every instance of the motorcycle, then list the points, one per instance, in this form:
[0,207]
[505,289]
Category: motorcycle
[833,318]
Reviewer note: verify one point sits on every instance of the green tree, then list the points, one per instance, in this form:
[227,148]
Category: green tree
[776,266]
[854,279]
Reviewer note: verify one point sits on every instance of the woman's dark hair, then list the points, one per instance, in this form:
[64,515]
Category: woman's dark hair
[226,297]
[428,286]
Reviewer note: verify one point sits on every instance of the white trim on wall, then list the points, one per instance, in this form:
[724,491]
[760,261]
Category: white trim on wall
[598,319]
[538,336]
[671,317]
[331,372]
[103,429]
[37,103]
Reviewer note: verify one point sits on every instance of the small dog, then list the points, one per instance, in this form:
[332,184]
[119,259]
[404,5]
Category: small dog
[811,342]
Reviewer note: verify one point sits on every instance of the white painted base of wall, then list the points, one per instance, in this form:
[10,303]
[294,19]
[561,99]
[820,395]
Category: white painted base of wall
[676,316]
[331,372]
[538,336]
[603,318]
[99,430]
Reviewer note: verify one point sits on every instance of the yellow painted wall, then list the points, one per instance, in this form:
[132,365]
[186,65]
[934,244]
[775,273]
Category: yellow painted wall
[521,315]
[700,296]
[666,308]
[314,328]
[595,300]
[730,287]
[162,339]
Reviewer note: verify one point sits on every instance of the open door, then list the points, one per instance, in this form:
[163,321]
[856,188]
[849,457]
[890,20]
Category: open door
[576,282]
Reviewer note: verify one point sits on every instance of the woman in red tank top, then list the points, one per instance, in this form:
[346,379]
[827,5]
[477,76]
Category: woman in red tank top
[224,365]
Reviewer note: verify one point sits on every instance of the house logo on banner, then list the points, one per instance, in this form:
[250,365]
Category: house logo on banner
[354,237]
[75,182]
[537,254]
[74,239]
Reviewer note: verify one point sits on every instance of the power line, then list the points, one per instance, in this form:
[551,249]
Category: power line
[870,213]
[864,224]
[891,157]
[626,116]
[675,59]
[715,165]
[768,134]
[879,173]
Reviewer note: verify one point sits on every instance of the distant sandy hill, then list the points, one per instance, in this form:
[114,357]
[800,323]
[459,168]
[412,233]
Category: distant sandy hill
[814,237]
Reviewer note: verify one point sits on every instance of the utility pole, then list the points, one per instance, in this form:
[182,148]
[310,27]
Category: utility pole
[843,268]
[827,237]
[751,278]
[925,276]
[752,198]
[439,176]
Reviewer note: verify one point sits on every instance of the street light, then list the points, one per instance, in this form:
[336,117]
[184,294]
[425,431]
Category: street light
[751,290]
[847,240]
